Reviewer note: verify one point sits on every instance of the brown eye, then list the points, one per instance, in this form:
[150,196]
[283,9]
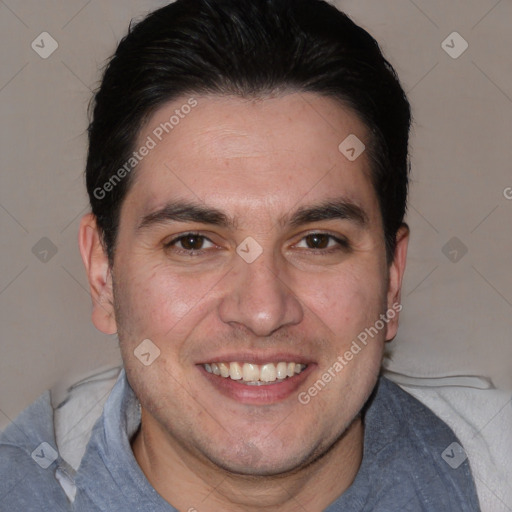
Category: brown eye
[317,241]
[323,243]
[192,242]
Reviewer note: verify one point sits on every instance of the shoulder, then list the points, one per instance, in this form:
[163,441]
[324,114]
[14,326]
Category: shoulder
[412,415]
[29,460]
[416,457]
[42,448]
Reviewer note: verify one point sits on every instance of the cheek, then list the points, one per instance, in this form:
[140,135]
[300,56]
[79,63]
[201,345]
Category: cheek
[347,300]
[154,303]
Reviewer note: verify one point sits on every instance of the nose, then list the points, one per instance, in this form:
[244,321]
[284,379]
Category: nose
[259,299]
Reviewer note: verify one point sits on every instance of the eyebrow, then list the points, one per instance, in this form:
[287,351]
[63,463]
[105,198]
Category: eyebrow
[180,211]
[186,212]
[335,209]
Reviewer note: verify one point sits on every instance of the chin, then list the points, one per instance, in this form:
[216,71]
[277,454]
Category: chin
[269,459]
[258,466]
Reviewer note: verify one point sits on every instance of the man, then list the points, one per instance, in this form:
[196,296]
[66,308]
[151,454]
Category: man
[247,173]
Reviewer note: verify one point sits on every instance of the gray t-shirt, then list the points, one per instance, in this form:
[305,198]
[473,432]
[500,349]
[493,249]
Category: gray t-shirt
[402,469]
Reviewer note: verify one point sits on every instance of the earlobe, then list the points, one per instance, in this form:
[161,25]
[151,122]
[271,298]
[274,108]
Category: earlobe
[396,274]
[99,274]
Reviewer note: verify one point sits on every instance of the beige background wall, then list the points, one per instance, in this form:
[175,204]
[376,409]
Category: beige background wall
[457,304]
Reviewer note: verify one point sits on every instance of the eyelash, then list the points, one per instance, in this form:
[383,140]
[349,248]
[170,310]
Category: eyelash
[342,244]
[169,245]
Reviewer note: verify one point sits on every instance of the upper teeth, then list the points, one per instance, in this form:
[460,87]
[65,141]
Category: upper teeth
[250,372]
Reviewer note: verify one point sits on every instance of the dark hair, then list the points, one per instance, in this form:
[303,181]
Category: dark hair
[246,48]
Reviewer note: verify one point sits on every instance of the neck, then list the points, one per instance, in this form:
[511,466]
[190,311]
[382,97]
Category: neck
[191,484]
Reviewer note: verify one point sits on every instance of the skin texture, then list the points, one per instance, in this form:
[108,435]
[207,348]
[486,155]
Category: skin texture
[258,162]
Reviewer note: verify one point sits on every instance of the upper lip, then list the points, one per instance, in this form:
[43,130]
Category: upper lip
[258,358]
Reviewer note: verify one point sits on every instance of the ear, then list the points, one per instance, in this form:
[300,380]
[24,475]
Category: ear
[99,274]
[396,274]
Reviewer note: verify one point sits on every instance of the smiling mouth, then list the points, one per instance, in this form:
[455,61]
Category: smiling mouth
[255,374]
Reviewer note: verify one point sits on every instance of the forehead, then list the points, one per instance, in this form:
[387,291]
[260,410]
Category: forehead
[244,155]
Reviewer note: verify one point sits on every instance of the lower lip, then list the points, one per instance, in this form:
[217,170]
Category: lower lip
[257,395]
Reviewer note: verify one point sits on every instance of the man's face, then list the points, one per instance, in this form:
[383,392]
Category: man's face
[235,178]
